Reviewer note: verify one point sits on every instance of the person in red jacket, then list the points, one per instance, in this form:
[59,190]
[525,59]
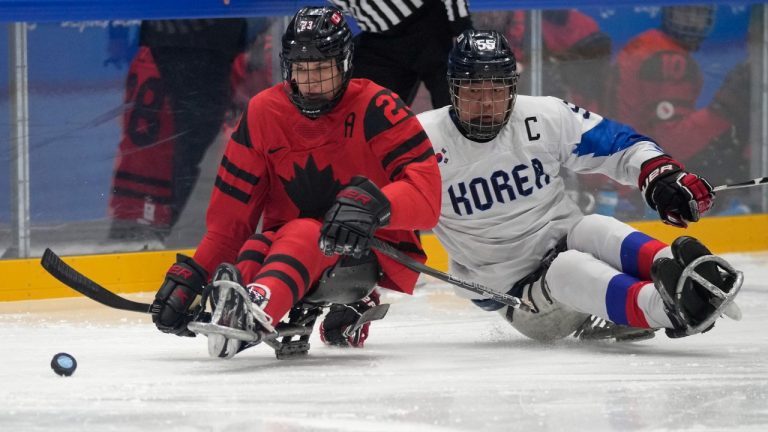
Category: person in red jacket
[574,47]
[177,96]
[657,83]
[322,159]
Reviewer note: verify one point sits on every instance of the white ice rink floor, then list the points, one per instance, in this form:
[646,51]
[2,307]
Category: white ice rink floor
[436,363]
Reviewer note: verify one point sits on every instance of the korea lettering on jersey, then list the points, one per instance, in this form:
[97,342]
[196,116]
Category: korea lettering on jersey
[504,201]
[481,193]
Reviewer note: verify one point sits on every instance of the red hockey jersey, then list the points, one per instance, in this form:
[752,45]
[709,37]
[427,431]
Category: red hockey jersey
[657,84]
[281,165]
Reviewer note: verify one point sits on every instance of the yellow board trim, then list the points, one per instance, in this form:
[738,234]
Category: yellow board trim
[143,271]
[25,279]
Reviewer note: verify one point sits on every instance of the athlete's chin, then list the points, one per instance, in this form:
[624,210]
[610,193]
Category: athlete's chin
[316,98]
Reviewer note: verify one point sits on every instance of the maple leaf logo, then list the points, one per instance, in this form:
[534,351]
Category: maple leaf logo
[312,190]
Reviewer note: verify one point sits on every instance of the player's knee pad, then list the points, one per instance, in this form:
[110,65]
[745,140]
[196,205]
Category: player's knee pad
[551,321]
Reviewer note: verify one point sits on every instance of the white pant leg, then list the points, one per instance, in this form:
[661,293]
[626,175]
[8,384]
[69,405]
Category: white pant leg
[617,244]
[552,320]
[589,285]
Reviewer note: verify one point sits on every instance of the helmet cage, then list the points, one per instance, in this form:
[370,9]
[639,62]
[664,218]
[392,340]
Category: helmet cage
[327,96]
[688,24]
[478,104]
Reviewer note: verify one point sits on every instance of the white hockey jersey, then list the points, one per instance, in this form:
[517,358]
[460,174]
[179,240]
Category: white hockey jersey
[504,202]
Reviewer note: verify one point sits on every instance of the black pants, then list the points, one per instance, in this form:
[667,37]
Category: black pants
[416,53]
[198,88]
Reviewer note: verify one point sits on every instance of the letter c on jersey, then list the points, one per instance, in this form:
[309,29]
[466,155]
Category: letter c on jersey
[528,122]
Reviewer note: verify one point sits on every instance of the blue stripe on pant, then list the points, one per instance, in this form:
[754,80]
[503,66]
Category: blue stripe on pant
[630,252]
[616,298]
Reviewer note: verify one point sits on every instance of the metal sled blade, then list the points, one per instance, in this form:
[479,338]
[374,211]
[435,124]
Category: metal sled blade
[373,314]
[228,332]
[634,335]
[723,301]
[595,329]
[282,330]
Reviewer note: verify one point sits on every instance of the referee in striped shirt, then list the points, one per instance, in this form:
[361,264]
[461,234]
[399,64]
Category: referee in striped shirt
[405,42]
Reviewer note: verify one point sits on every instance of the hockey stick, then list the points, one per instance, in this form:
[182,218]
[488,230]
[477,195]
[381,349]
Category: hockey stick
[746,184]
[82,284]
[475,287]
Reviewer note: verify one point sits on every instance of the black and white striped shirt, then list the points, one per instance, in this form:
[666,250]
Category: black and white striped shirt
[378,16]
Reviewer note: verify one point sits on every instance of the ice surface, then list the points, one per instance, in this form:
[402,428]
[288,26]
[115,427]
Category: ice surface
[435,363]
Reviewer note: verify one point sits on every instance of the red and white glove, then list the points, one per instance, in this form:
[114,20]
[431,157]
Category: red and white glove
[333,329]
[679,196]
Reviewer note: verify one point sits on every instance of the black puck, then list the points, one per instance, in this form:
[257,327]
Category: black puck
[63,364]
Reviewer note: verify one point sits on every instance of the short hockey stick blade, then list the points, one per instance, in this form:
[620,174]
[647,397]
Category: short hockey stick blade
[373,314]
[85,286]
[416,266]
[762,181]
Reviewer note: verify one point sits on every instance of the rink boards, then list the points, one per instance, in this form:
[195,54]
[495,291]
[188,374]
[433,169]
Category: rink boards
[143,271]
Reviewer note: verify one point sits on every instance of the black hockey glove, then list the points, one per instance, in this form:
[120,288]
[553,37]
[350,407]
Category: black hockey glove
[333,329]
[360,209]
[679,196]
[181,290]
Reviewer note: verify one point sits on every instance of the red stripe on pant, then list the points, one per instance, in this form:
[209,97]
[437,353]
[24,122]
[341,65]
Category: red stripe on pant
[645,257]
[635,315]
[298,239]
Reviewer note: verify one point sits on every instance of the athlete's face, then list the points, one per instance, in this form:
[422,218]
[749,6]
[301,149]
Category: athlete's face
[483,102]
[317,79]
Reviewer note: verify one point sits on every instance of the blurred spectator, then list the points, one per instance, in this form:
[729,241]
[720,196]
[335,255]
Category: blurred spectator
[402,44]
[252,69]
[185,77]
[657,83]
[576,54]
[576,66]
